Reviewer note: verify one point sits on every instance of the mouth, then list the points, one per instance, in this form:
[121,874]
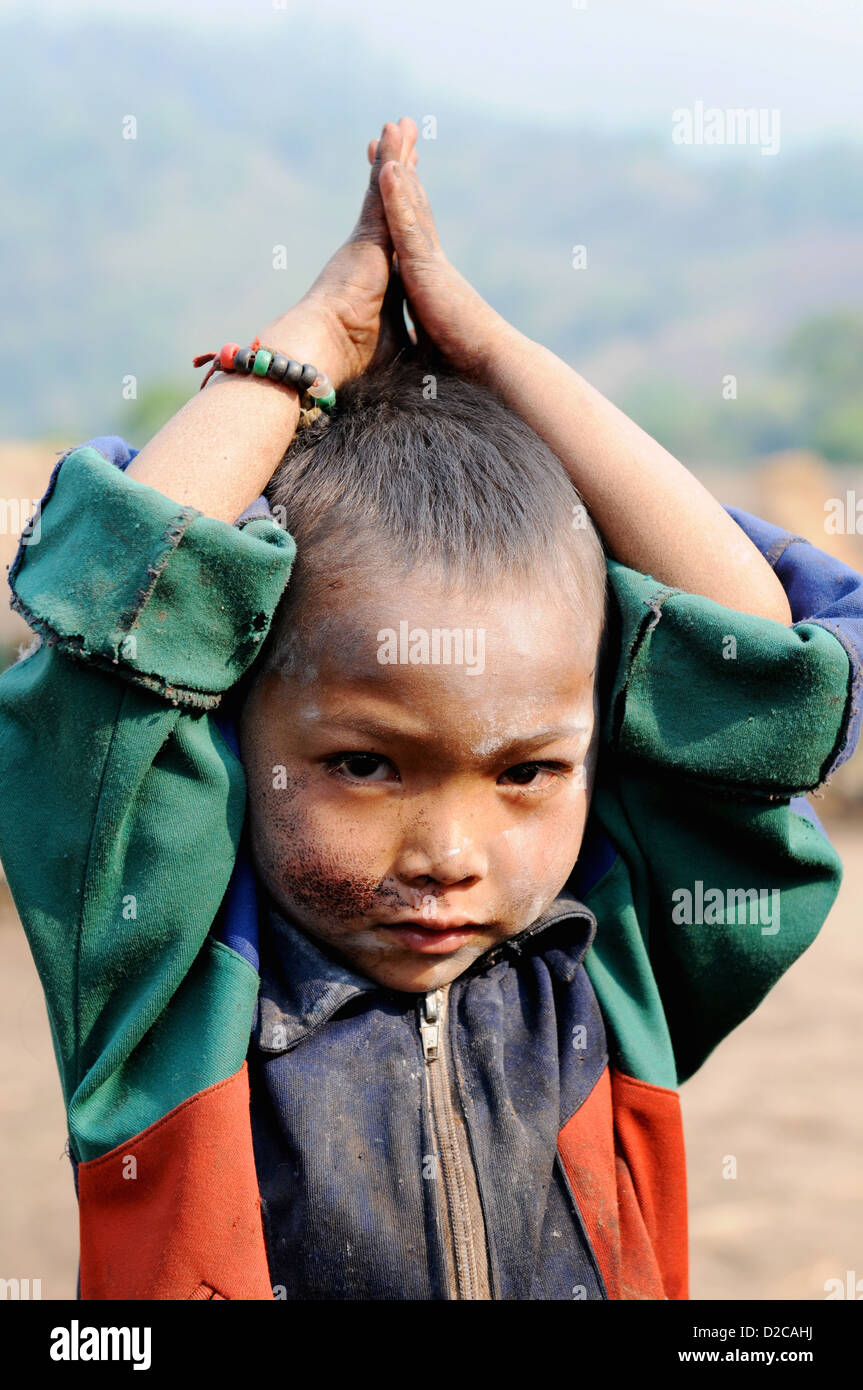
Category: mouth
[435,939]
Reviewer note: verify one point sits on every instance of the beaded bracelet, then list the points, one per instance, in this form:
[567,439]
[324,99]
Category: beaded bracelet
[313,387]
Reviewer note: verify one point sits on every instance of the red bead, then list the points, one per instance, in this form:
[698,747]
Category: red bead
[227,355]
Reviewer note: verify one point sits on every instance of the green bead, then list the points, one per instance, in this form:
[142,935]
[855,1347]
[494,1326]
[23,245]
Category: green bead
[326,402]
[263,358]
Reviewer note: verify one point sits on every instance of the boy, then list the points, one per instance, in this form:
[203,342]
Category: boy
[418,1033]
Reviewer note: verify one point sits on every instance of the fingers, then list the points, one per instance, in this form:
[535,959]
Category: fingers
[389,145]
[409,138]
[408,214]
[408,153]
[411,160]
[396,141]
[409,131]
[372,222]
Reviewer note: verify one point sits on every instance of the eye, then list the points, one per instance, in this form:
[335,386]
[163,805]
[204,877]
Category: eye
[361,767]
[535,776]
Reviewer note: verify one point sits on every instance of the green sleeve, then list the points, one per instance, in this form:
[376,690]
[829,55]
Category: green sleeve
[715,724]
[122,805]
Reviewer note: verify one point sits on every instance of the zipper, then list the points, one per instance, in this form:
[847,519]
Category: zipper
[465,1252]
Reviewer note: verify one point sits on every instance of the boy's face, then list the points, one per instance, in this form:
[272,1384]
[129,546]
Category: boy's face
[412,814]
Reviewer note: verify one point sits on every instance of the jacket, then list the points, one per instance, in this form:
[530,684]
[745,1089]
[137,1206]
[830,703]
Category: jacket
[247,1118]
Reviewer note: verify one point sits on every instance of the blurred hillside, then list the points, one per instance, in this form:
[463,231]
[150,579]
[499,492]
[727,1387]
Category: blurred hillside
[126,256]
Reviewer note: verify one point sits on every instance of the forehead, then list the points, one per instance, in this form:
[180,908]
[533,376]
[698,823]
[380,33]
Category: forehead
[450,659]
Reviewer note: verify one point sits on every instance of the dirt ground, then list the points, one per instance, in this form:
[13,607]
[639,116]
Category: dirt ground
[781,1096]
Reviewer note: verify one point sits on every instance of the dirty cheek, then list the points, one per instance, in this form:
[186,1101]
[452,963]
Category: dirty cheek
[298,868]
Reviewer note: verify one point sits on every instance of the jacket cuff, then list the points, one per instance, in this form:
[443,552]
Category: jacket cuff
[822,590]
[725,698]
[121,577]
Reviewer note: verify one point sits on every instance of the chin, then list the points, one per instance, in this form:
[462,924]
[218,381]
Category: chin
[415,976]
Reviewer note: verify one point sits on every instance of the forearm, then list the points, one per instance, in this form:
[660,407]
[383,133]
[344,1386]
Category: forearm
[220,450]
[653,514]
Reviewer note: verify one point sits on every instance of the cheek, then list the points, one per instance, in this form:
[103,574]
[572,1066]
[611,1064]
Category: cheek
[533,860]
[311,854]
[281,803]
[277,815]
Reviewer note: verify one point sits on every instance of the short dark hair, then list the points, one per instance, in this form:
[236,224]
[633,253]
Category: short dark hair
[418,466]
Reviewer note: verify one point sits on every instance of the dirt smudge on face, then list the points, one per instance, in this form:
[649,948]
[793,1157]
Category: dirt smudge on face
[334,894]
[299,872]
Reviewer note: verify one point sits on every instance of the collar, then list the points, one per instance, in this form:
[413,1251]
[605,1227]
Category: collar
[303,985]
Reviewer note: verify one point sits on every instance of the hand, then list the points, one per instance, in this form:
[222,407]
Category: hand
[444,306]
[337,324]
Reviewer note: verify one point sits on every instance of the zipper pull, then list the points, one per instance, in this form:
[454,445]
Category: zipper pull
[430,1021]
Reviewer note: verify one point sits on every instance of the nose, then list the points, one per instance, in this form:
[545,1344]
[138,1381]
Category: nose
[440,847]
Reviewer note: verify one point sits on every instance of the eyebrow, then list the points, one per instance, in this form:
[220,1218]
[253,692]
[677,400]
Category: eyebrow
[373,729]
[536,740]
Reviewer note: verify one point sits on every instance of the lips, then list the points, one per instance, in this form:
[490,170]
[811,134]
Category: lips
[437,923]
[433,940]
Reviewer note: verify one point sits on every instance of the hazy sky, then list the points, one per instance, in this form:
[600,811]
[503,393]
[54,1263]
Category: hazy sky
[615,62]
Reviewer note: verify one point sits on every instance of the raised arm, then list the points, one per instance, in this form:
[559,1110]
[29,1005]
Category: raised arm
[653,514]
[220,450]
